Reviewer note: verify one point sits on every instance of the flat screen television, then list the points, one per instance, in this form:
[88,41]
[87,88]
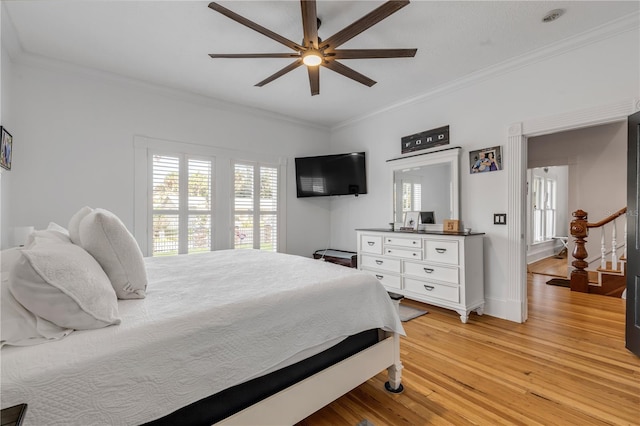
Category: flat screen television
[339,174]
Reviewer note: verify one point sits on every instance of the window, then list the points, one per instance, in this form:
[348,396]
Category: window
[544,208]
[255,217]
[182,204]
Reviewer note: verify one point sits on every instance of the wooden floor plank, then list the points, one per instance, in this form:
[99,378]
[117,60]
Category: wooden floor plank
[567,365]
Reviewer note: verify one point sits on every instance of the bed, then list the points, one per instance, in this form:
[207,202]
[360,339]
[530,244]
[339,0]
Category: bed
[210,324]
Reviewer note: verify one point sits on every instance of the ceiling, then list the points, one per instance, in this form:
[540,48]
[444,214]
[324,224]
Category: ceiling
[167,43]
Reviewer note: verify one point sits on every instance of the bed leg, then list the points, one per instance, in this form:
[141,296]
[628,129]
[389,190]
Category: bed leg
[394,385]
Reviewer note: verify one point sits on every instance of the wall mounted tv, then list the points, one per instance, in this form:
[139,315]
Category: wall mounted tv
[340,174]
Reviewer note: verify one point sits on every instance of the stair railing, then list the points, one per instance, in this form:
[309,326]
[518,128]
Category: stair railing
[580,231]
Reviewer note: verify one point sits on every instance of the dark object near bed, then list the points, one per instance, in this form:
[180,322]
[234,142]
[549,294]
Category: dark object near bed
[13,416]
[217,407]
[340,257]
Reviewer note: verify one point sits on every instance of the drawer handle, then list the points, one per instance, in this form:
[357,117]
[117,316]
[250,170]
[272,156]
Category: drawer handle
[415,242]
[371,242]
[428,270]
[379,262]
[379,277]
[428,287]
[441,250]
[415,254]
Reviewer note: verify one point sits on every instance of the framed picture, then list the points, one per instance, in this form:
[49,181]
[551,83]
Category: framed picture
[485,160]
[411,220]
[5,149]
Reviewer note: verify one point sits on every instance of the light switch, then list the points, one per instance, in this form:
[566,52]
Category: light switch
[499,218]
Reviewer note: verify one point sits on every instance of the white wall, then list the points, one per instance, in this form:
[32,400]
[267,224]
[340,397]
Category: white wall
[597,160]
[479,114]
[74,145]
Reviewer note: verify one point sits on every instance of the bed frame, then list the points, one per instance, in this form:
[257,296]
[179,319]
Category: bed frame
[304,398]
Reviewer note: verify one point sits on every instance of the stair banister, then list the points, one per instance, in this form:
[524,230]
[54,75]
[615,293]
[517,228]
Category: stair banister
[614,244]
[580,231]
[603,248]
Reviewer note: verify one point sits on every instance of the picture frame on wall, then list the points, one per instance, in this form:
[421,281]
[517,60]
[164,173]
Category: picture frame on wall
[6,148]
[485,160]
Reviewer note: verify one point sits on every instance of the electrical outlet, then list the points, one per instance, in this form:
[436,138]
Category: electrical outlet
[499,218]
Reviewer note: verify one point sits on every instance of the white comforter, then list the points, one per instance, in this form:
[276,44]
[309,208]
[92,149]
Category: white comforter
[209,321]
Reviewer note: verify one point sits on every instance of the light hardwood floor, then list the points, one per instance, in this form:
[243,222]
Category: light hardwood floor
[567,365]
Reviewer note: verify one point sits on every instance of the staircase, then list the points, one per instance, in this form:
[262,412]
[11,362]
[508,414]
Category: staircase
[612,278]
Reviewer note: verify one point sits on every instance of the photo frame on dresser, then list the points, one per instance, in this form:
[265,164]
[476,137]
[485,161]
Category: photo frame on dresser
[6,147]
[411,220]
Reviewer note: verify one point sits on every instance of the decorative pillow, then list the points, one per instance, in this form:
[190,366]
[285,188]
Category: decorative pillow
[74,224]
[106,238]
[55,227]
[19,327]
[63,284]
[48,235]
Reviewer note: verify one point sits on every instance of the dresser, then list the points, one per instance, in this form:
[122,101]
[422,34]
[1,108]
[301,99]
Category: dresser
[434,267]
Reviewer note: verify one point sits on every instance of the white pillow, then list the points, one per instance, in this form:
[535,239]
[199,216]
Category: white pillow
[55,227]
[74,224]
[18,326]
[63,284]
[48,235]
[106,238]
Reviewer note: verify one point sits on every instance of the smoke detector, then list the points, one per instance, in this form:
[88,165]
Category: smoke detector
[553,15]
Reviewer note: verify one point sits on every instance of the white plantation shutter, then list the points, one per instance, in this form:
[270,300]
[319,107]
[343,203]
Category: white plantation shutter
[417,197]
[256,206]
[182,210]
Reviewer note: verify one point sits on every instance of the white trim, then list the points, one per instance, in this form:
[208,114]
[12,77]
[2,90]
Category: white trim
[516,154]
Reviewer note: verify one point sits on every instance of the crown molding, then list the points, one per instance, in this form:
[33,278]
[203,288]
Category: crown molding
[603,32]
[37,61]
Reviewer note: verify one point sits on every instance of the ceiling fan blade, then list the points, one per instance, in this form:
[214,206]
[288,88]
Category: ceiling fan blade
[309,23]
[256,27]
[254,55]
[372,53]
[348,72]
[314,80]
[280,73]
[363,23]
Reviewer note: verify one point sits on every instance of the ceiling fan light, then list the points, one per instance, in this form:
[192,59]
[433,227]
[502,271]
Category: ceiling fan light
[311,58]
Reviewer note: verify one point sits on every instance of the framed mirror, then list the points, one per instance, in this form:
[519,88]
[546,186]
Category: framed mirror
[428,183]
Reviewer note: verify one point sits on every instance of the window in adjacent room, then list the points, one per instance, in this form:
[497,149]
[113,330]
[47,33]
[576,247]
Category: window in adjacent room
[256,206]
[182,204]
[544,208]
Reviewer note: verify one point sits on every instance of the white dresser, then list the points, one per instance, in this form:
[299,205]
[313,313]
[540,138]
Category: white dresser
[442,269]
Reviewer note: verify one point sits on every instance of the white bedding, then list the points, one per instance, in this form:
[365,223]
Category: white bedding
[209,321]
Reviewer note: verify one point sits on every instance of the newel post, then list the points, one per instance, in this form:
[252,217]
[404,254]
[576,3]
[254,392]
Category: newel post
[579,230]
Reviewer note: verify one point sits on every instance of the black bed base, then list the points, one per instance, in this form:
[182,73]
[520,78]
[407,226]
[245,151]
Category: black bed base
[223,404]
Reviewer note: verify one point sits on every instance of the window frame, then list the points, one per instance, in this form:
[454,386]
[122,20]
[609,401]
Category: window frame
[183,212]
[256,210]
[223,221]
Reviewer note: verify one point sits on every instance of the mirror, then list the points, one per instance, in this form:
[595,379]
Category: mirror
[428,183]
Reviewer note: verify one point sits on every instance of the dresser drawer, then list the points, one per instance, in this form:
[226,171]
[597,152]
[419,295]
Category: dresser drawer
[381,263]
[404,242]
[433,272]
[405,254]
[429,289]
[371,244]
[388,280]
[442,251]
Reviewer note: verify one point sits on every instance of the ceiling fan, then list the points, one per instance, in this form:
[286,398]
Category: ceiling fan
[315,52]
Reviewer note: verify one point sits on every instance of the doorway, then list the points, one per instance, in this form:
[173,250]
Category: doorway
[515,301]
